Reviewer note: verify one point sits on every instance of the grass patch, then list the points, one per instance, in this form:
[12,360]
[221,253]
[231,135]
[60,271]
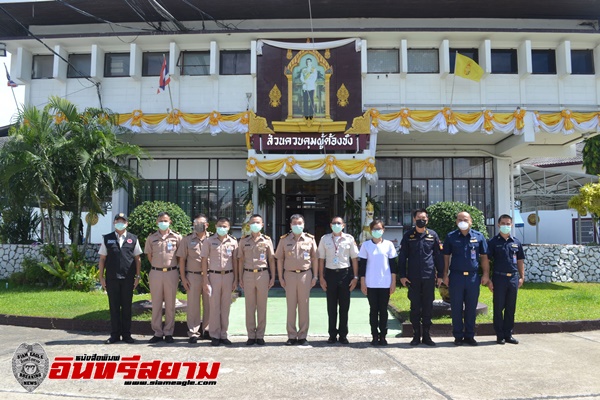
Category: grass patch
[535,302]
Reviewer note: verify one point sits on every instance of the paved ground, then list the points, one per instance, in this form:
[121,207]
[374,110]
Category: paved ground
[543,366]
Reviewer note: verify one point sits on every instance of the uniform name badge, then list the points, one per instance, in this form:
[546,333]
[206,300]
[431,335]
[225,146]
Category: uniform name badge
[169,246]
[229,251]
[473,254]
[336,260]
[306,255]
[514,258]
[262,257]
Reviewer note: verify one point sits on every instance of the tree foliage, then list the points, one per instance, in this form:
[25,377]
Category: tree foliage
[142,220]
[587,201]
[591,155]
[442,217]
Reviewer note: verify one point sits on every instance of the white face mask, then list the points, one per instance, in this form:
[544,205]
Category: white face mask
[377,233]
[297,229]
[120,226]
[163,226]
[463,226]
[337,228]
[255,227]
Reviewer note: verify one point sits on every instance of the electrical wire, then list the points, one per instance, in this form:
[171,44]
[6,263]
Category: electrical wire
[203,14]
[87,14]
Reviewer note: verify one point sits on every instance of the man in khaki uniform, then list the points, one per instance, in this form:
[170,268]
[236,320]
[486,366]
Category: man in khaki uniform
[161,247]
[218,254]
[297,266]
[190,271]
[253,253]
[337,251]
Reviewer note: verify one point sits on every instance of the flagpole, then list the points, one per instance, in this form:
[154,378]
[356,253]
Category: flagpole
[170,97]
[12,89]
[453,80]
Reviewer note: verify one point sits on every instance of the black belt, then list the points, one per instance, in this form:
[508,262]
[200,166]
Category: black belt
[256,269]
[194,272]
[509,274]
[212,271]
[337,269]
[465,273]
[298,271]
[164,269]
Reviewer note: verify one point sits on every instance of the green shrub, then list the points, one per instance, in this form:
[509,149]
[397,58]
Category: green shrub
[442,217]
[16,279]
[35,274]
[84,278]
[142,223]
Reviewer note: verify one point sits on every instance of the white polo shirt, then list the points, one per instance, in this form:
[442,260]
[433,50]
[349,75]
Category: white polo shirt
[378,274]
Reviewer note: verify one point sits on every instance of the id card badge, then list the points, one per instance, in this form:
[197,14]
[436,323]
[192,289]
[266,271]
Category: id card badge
[473,254]
[169,246]
[306,255]
[229,251]
[514,258]
[336,260]
[262,257]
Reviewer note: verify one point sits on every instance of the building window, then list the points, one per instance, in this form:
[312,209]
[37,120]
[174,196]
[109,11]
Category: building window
[543,62]
[473,54]
[152,63]
[215,198]
[383,61]
[116,64]
[582,62]
[42,67]
[406,184]
[235,62]
[195,63]
[79,66]
[423,61]
[504,61]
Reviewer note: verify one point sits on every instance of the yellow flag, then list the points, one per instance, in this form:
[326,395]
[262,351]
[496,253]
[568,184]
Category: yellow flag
[467,68]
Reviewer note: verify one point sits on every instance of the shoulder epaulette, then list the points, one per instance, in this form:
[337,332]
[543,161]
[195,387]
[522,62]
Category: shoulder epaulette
[266,237]
[284,235]
[309,235]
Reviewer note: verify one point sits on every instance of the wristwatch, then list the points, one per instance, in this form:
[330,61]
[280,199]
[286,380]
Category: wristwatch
[355,277]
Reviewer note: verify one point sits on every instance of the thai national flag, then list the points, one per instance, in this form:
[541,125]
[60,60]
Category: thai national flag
[164,78]
[9,82]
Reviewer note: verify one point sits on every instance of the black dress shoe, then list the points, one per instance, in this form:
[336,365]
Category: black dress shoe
[375,340]
[111,340]
[215,342]
[382,341]
[415,341]
[303,342]
[128,339]
[427,341]
[226,342]
[260,342]
[511,340]
[470,341]
[344,340]
[500,341]
[169,339]
[206,335]
[332,340]
[155,339]
[458,342]
[290,342]
[193,340]
[250,342]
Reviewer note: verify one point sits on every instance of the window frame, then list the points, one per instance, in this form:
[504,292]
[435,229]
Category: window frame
[536,61]
[473,54]
[237,67]
[433,51]
[379,51]
[147,58]
[71,73]
[108,58]
[49,57]
[514,61]
[182,65]
[589,69]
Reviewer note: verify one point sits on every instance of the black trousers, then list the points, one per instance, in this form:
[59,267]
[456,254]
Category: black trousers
[505,304]
[421,294]
[378,314]
[338,294]
[120,294]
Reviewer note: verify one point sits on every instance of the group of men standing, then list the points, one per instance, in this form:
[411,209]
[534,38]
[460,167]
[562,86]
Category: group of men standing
[211,267]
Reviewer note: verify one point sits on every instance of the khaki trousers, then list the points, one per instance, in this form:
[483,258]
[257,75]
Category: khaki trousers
[193,304]
[163,287]
[220,304]
[297,293]
[205,307]
[256,291]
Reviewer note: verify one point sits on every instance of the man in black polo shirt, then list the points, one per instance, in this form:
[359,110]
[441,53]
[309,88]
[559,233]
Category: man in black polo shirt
[509,271]
[120,257]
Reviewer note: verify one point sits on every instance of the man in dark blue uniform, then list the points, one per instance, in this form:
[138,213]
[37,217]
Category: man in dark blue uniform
[420,252]
[509,271]
[120,257]
[464,250]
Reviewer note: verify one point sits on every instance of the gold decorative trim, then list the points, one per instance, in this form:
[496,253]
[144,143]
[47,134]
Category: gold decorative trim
[289,55]
[258,124]
[342,96]
[362,124]
[327,54]
[275,97]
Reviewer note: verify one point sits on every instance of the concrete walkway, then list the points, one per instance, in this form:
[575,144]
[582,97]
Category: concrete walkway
[542,366]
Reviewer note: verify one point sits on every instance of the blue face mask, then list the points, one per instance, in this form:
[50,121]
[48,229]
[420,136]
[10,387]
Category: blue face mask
[163,226]
[505,229]
[120,226]
[255,227]
[222,231]
[377,233]
[337,228]
[297,229]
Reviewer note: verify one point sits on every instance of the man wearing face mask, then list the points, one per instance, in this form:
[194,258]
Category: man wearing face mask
[464,250]
[509,272]
[297,267]
[190,271]
[120,257]
[420,252]
[219,253]
[337,251]
[161,249]
[255,261]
